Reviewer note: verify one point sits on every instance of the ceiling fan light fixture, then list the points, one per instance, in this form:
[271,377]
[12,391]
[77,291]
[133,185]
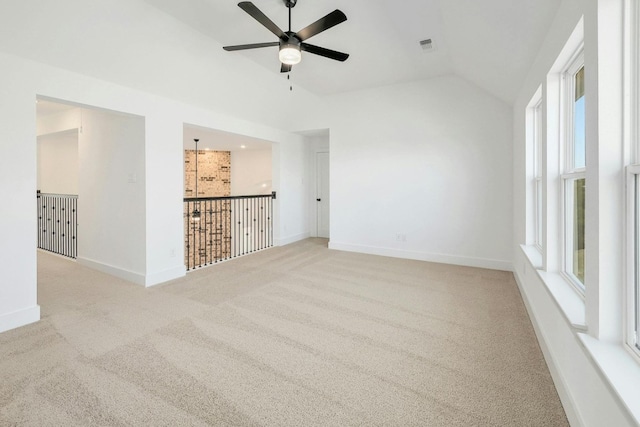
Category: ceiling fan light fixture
[290,54]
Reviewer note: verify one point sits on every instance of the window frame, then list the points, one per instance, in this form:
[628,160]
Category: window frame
[570,173]
[632,173]
[538,198]
[632,321]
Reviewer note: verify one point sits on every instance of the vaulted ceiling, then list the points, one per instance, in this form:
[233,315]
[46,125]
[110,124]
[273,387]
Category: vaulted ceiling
[491,43]
[174,48]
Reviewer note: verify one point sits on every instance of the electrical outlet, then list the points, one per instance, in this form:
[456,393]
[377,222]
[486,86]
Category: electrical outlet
[172,253]
[400,237]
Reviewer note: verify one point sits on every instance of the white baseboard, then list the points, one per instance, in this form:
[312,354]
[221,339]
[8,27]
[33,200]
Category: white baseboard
[424,256]
[290,239]
[131,276]
[137,278]
[559,381]
[19,318]
[165,275]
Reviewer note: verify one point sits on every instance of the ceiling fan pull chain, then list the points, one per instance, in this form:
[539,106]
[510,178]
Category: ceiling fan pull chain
[290,86]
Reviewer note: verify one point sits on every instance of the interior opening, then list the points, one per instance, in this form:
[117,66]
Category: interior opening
[91,192]
[228,200]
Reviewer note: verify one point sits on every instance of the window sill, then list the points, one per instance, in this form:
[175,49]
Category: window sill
[619,368]
[570,303]
[567,299]
[534,255]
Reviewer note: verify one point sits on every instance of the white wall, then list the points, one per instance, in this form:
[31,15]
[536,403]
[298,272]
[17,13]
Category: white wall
[64,121]
[160,173]
[18,304]
[428,160]
[291,208]
[251,172]
[111,197]
[58,163]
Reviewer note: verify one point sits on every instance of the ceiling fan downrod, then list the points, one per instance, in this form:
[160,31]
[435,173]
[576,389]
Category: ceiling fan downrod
[290,5]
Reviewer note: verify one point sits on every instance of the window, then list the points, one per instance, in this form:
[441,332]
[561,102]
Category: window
[635,294]
[633,190]
[537,174]
[573,177]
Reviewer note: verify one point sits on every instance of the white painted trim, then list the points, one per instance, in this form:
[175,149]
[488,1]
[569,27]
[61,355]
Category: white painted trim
[165,275]
[568,403]
[19,318]
[630,261]
[424,256]
[566,297]
[130,276]
[534,255]
[569,173]
[290,239]
[631,108]
[148,280]
[563,293]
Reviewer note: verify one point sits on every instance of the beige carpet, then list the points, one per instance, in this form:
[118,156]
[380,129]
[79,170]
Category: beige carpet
[296,335]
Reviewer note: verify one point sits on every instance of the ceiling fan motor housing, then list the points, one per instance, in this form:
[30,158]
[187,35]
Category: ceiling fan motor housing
[291,40]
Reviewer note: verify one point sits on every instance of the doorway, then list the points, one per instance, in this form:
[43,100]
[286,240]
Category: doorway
[322,194]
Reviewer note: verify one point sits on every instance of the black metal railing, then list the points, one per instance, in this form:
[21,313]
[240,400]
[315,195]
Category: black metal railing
[221,228]
[58,223]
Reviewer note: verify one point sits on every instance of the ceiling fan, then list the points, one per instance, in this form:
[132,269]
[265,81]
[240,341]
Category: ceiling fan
[291,43]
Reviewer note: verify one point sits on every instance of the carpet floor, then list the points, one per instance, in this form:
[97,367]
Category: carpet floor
[295,335]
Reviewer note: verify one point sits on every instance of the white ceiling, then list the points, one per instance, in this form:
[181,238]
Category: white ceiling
[47,108]
[491,42]
[212,139]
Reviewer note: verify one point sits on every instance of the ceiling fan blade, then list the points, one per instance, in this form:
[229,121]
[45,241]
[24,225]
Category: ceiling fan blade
[250,46]
[285,68]
[328,53]
[252,10]
[331,20]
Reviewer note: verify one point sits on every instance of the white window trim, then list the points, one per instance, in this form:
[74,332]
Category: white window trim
[632,261]
[538,214]
[632,273]
[538,211]
[570,172]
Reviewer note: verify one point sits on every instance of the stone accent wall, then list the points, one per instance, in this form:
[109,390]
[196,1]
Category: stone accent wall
[214,173]
[208,239]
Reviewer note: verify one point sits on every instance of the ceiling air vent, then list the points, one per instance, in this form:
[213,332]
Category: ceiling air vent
[426,44]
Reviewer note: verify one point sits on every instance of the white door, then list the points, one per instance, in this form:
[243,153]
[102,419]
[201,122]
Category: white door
[322,193]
